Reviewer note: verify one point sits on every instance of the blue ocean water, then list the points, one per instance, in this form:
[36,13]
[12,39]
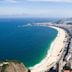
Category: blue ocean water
[28,44]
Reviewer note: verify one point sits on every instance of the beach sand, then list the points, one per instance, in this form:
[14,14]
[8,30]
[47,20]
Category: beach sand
[54,54]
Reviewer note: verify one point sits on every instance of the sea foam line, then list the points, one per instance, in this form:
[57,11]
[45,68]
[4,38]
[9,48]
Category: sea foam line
[48,52]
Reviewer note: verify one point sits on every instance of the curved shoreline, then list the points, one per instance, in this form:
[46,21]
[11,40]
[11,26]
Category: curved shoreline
[53,54]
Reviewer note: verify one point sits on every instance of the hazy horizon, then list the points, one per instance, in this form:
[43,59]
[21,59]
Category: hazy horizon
[36,8]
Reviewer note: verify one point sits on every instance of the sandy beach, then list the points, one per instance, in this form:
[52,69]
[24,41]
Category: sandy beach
[55,52]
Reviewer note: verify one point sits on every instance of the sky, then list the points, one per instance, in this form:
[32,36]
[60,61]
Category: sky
[36,8]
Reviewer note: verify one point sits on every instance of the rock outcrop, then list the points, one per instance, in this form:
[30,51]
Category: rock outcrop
[13,66]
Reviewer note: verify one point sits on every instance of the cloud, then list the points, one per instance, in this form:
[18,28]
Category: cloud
[68,1]
[14,1]
[10,1]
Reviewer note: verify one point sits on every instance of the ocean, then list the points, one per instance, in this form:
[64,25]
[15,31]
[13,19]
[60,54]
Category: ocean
[28,44]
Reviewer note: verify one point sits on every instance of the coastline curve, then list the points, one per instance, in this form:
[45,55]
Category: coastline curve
[54,53]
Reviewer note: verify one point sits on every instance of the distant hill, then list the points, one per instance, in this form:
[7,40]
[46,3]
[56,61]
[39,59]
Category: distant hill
[64,21]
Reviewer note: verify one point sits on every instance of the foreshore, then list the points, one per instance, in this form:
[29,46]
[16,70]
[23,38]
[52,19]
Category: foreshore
[54,54]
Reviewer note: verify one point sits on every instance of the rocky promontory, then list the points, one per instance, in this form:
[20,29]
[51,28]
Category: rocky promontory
[13,66]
